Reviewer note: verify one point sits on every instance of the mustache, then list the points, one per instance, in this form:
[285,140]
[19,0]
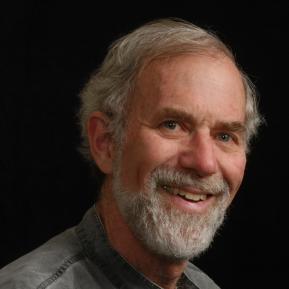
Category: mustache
[164,176]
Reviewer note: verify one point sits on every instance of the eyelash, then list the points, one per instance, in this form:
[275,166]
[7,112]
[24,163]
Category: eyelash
[167,124]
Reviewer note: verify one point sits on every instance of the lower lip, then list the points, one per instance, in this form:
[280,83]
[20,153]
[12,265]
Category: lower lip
[190,206]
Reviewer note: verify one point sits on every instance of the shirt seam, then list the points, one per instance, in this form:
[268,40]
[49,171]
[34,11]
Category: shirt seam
[60,271]
[103,265]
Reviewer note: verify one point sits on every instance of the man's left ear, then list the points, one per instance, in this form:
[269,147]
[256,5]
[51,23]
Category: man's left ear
[100,141]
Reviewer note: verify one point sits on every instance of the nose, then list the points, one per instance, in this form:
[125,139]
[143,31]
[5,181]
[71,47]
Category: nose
[199,155]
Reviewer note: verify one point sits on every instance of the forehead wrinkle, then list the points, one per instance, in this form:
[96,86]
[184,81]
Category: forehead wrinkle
[154,82]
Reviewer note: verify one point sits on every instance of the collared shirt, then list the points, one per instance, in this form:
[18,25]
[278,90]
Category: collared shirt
[82,258]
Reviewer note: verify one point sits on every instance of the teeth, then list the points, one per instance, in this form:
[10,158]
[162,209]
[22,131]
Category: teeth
[191,197]
[195,198]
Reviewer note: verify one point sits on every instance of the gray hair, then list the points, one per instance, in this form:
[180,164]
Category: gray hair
[109,88]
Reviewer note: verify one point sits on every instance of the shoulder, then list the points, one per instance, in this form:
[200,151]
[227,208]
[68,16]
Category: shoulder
[199,278]
[44,265]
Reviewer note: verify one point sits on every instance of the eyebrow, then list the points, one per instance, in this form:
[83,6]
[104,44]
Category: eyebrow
[234,126]
[176,114]
[179,114]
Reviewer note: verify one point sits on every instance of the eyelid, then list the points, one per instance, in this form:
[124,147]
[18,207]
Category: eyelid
[179,122]
[180,128]
[170,120]
[235,137]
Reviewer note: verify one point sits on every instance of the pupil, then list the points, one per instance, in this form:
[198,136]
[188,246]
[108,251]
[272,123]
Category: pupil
[225,137]
[171,124]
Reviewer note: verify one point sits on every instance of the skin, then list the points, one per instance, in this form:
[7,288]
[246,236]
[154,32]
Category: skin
[186,112]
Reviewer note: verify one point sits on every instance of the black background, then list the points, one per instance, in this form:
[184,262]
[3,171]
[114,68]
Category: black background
[49,51]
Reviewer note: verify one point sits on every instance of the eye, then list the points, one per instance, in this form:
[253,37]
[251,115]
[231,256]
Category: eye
[173,128]
[170,124]
[224,137]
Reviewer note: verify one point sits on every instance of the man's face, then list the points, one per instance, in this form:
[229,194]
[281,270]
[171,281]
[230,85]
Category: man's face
[183,156]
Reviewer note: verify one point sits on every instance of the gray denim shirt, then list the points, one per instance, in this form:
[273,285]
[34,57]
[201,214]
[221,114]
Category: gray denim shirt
[81,258]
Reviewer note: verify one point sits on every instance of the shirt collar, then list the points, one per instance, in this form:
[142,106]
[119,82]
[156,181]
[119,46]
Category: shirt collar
[97,248]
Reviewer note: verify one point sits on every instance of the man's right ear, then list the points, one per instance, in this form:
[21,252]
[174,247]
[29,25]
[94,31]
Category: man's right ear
[100,141]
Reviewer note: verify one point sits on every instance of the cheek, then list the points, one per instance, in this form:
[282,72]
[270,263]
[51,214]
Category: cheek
[144,153]
[234,173]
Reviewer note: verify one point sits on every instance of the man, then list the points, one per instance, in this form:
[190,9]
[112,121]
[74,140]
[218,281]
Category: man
[167,119]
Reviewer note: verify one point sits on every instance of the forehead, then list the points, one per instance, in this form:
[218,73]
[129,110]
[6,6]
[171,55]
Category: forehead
[201,82]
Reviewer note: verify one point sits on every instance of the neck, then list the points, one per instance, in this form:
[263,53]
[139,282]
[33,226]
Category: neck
[165,273]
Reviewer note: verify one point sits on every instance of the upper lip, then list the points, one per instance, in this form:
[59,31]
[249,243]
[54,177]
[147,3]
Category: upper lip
[190,190]
[186,189]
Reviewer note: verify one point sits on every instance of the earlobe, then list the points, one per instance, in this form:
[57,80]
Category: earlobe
[100,141]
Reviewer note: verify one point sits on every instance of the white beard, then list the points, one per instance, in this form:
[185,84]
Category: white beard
[162,227]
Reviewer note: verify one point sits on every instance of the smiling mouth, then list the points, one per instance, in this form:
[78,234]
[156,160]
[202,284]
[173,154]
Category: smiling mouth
[199,197]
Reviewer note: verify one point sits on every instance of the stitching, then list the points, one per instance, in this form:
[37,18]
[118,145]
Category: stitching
[60,271]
